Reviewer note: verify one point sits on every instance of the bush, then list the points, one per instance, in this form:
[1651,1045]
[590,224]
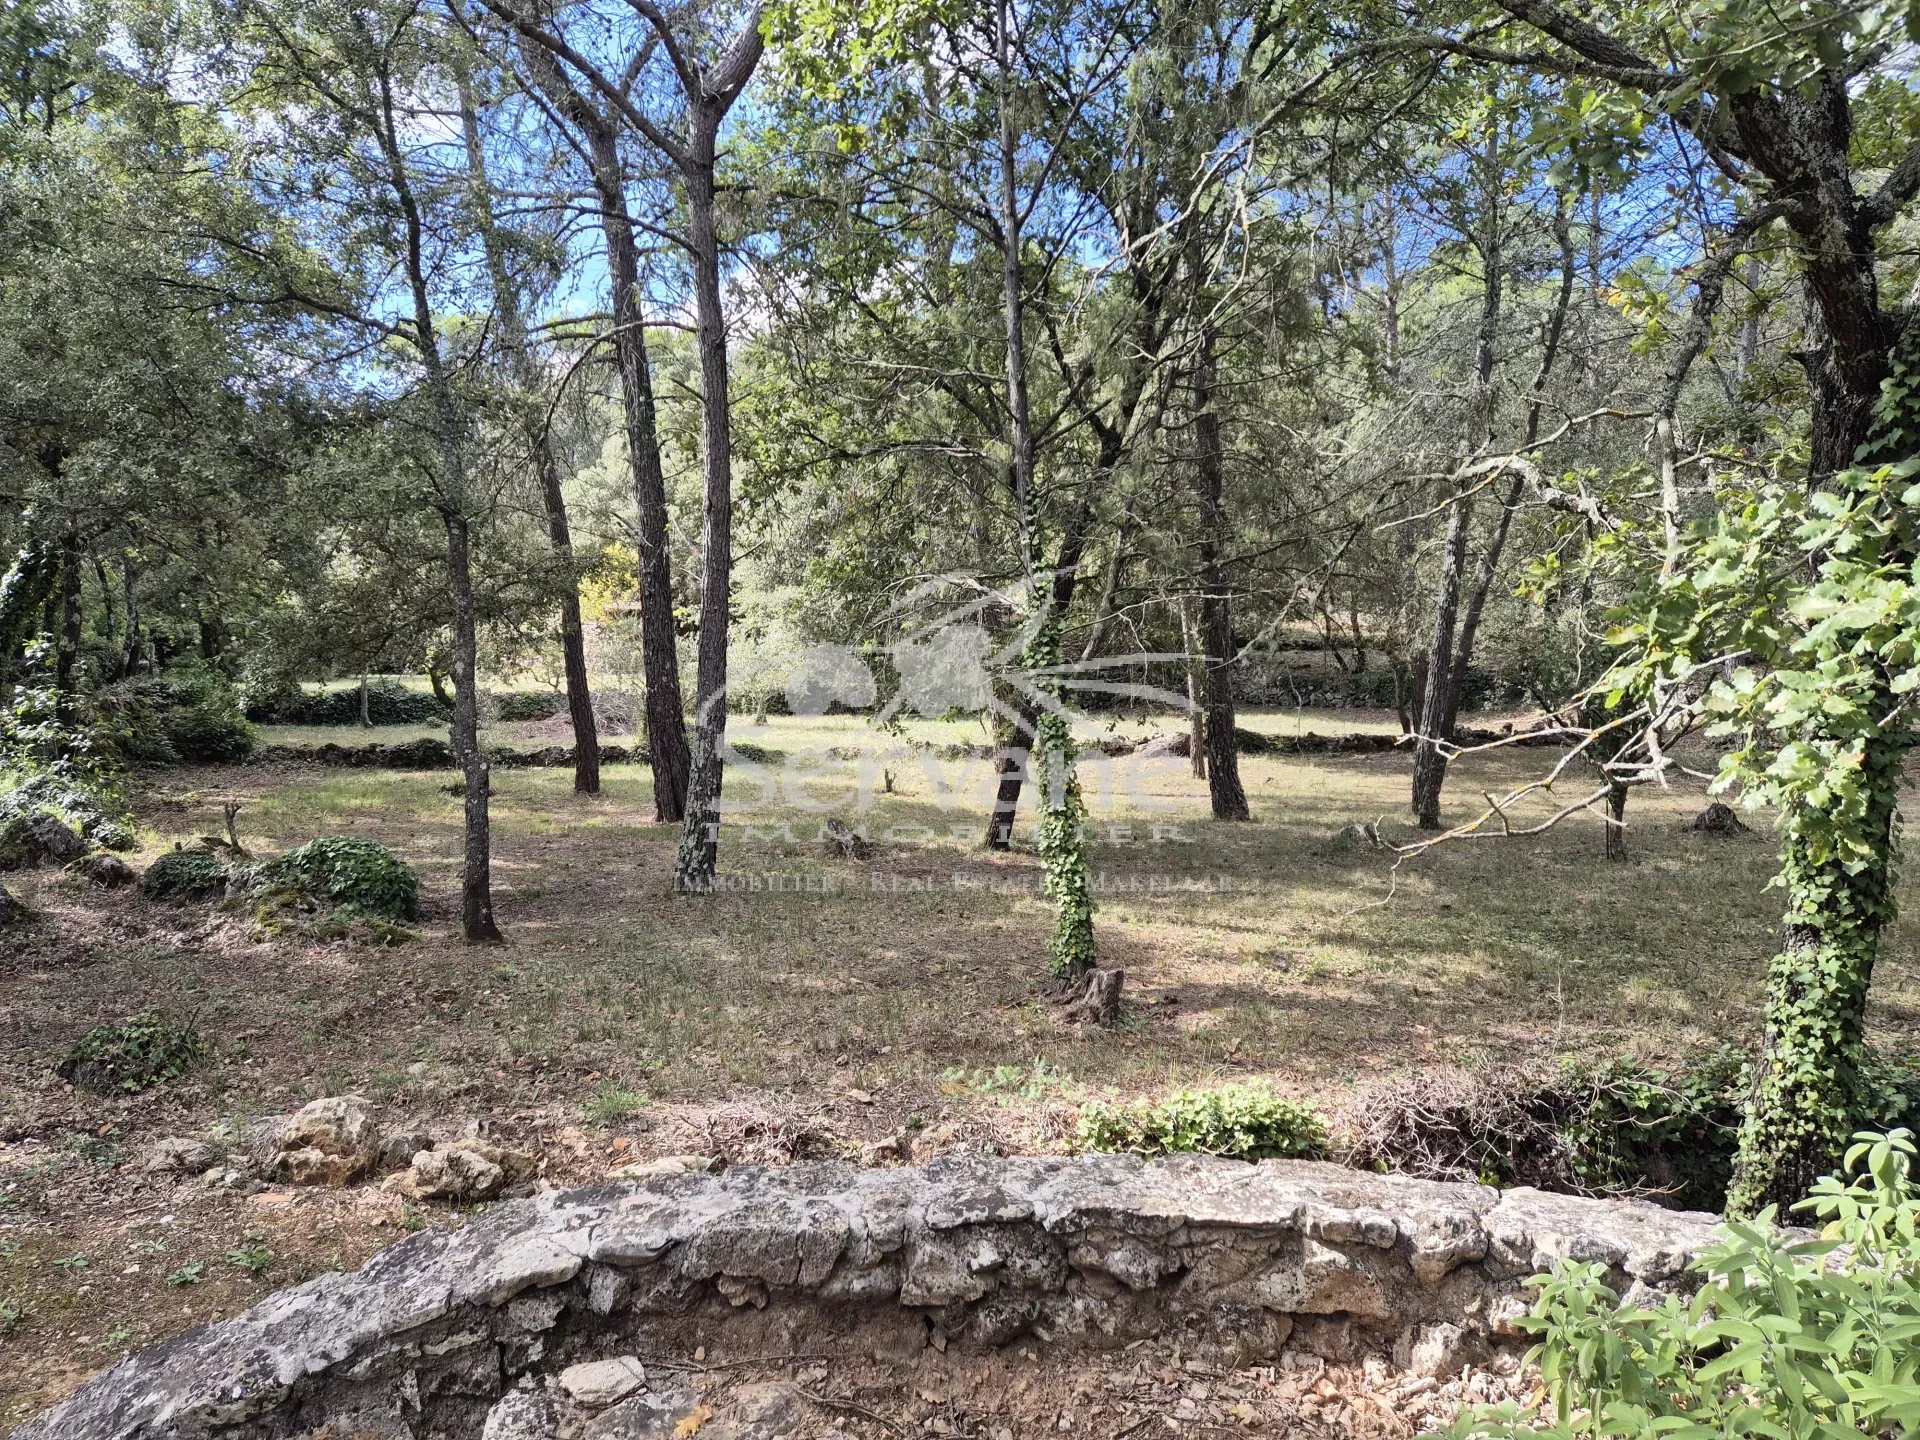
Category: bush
[187,875]
[344,874]
[531,705]
[140,1051]
[1619,1128]
[1242,1122]
[387,704]
[188,716]
[1789,1337]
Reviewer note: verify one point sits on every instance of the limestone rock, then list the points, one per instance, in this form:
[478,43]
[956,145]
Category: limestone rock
[12,912]
[665,1165]
[398,1147]
[331,1141]
[465,1169]
[39,839]
[600,1383]
[539,1414]
[1237,1259]
[178,1154]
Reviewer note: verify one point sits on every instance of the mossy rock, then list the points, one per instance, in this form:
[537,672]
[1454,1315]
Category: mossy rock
[135,1054]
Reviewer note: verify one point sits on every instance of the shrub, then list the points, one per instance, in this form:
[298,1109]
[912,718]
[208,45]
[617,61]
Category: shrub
[387,704]
[346,874]
[1619,1128]
[190,715]
[531,705]
[187,875]
[140,1051]
[1790,1337]
[1242,1122]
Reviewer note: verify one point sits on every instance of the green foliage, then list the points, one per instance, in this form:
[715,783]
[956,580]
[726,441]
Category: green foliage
[92,808]
[191,1273]
[531,705]
[612,1103]
[191,715]
[188,875]
[136,1053]
[359,876]
[387,704]
[1801,1339]
[1242,1122]
[1819,714]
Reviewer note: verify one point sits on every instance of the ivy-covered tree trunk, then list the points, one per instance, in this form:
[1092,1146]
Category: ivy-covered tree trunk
[1807,1098]
[1840,836]
[1063,828]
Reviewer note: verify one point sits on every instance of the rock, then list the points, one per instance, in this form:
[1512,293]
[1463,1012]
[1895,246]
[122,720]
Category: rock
[665,1165]
[769,1411]
[600,1383]
[1441,1350]
[178,1154]
[646,1416]
[532,1415]
[1092,1250]
[331,1141]
[38,839]
[12,912]
[109,872]
[465,1169]
[398,1147]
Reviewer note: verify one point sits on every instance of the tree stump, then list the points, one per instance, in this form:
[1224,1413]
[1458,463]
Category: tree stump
[842,842]
[1099,1003]
[1718,819]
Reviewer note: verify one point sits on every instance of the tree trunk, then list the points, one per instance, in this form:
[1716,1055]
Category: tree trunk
[1229,797]
[366,715]
[476,880]
[700,841]
[666,720]
[130,586]
[66,665]
[1616,847]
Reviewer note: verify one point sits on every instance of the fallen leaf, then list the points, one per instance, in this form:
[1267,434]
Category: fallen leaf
[692,1421]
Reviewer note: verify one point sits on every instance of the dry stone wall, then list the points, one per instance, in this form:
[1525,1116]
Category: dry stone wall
[471,1332]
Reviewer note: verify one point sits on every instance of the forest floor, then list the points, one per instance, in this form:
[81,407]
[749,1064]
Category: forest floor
[885,1006]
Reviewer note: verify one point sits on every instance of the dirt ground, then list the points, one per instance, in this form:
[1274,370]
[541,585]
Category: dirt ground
[882,1009]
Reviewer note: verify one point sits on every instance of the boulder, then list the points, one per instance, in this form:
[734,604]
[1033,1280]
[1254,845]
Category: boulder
[38,839]
[12,912]
[665,1165]
[462,1170]
[398,1147]
[331,1141]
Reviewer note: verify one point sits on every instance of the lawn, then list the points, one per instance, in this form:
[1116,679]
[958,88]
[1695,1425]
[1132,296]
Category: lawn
[817,1005]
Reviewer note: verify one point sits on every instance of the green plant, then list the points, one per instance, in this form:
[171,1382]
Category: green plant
[1242,1122]
[255,1256]
[190,715]
[187,875]
[611,1103]
[361,876]
[12,1316]
[138,1052]
[191,1273]
[1800,1339]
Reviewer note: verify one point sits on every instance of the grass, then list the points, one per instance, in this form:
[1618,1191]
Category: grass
[818,1000]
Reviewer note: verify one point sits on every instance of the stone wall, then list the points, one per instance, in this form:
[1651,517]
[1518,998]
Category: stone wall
[1240,1261]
